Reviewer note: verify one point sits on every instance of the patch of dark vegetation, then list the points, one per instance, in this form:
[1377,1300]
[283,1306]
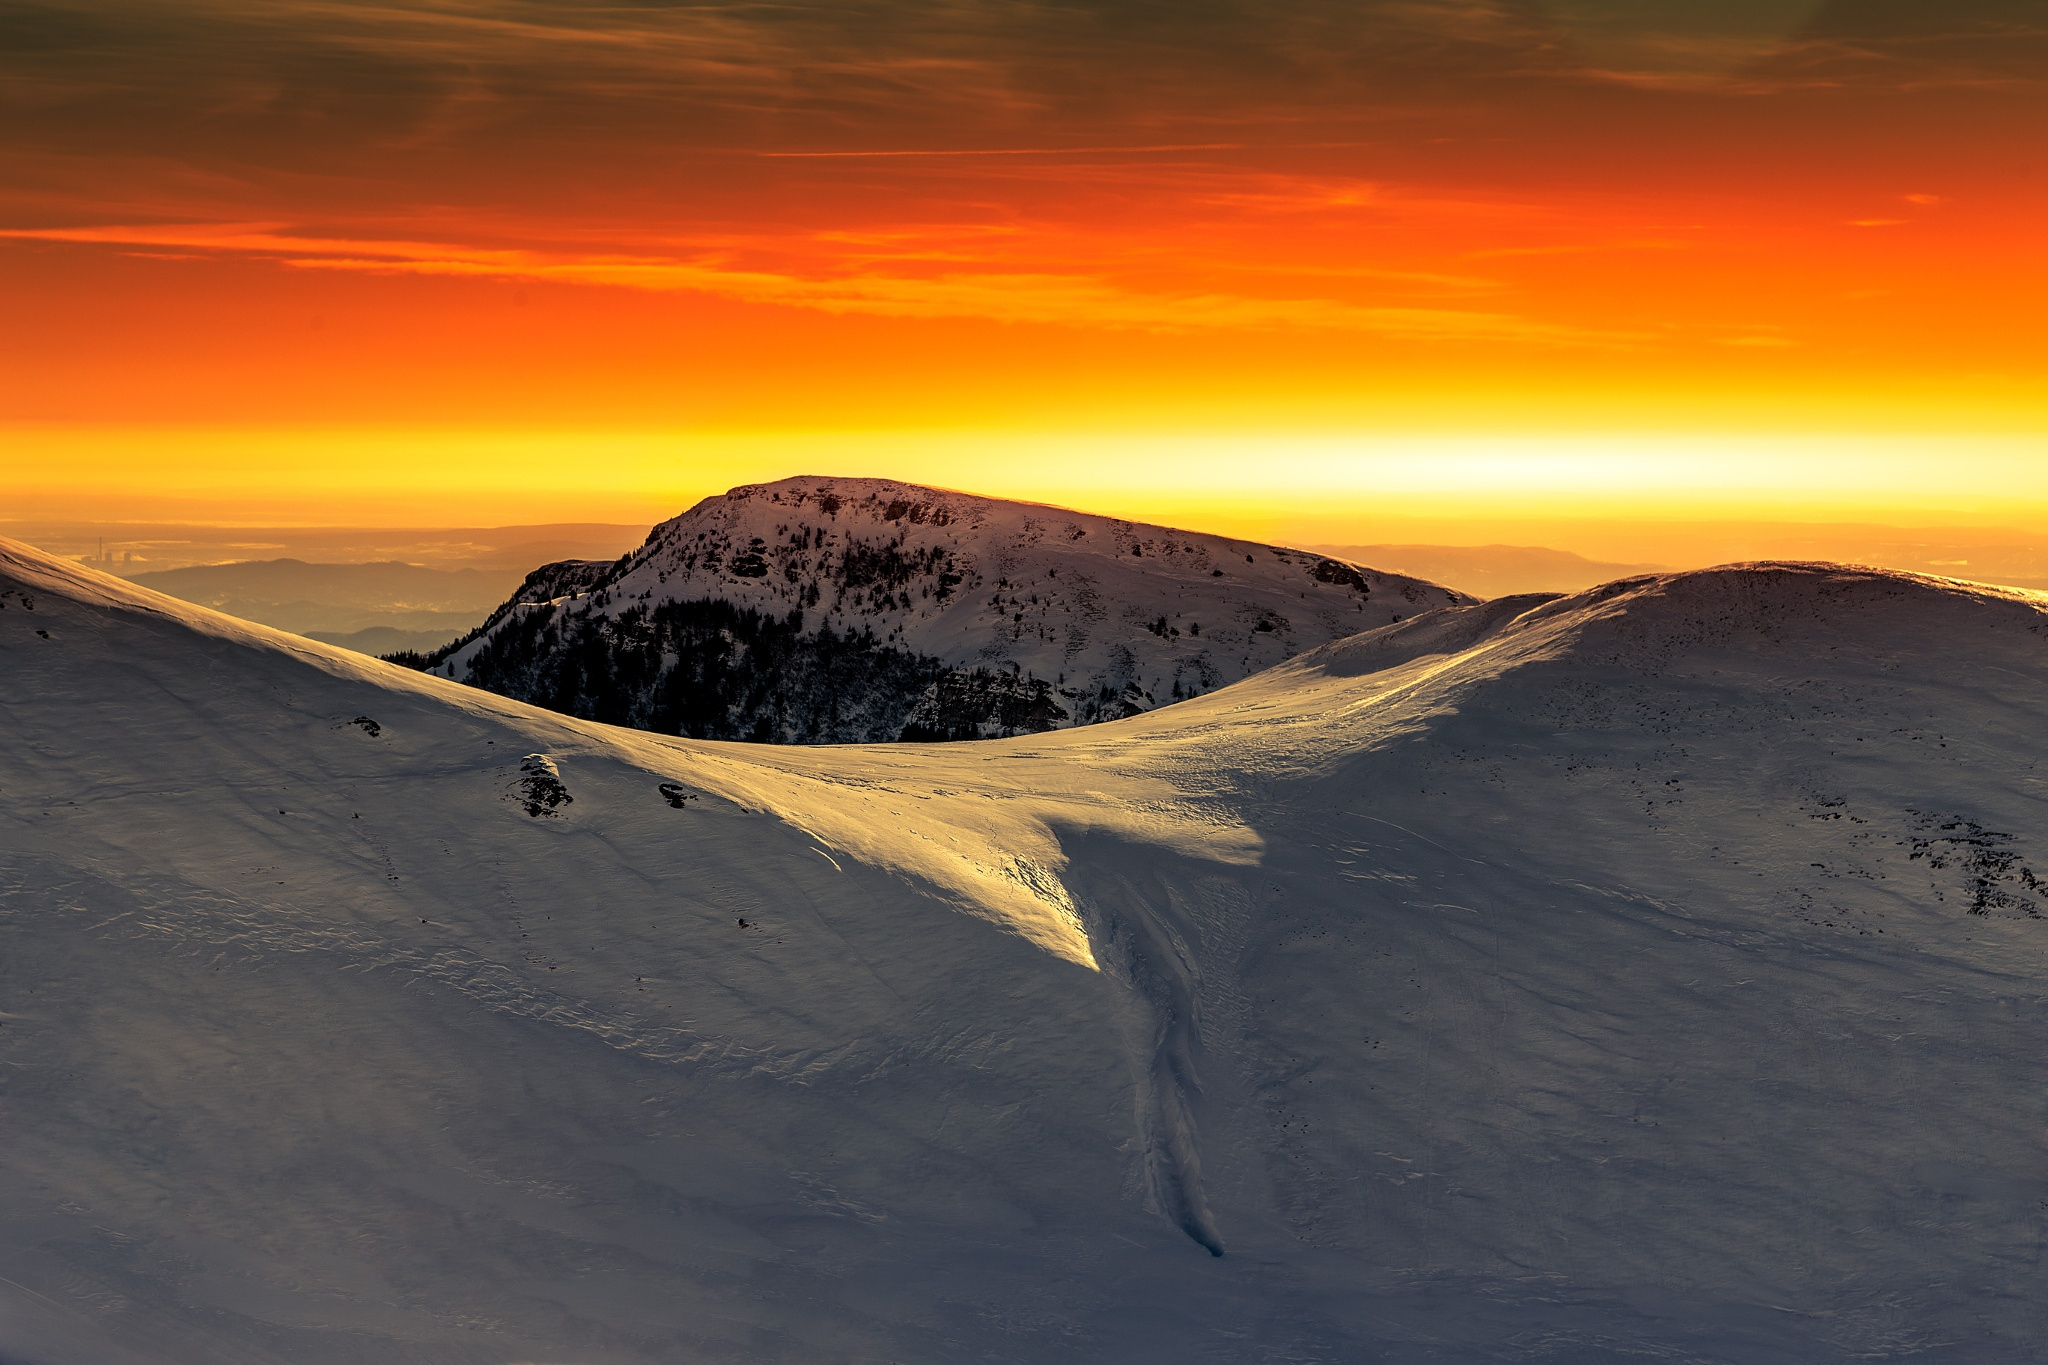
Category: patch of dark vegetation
[677,795]
[982,703]
[708,669]
[890,567]
[367,726]
[917,513]
[712,669]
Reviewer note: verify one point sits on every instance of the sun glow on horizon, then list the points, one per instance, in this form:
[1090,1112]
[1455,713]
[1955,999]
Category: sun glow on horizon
[1576,258]
[1258,485]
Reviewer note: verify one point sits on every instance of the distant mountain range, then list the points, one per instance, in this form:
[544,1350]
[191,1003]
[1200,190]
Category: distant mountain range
[835,610]
[407,604]
[132,548]
[1492,570]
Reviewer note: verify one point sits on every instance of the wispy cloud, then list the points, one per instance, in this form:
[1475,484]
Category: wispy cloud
[1005,151]
[1494,172]
[1070,299]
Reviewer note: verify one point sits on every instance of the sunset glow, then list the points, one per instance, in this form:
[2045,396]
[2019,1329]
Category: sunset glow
[409,260]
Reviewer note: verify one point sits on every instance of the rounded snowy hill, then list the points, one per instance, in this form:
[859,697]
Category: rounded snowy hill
[1656,973]
[825,609]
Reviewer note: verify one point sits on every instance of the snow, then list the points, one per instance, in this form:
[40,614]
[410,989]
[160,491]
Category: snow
[1115,616]
[1653,973]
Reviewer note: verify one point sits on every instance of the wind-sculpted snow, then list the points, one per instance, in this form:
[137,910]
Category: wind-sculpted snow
[818,610]
[1658,972]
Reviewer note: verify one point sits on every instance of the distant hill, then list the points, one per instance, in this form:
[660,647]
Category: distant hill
[832,610]
[132,548]
[334,599]
[1492,570]
[380,641]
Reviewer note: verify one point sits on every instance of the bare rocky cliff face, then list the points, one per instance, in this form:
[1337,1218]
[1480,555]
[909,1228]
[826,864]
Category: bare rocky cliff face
[826,610]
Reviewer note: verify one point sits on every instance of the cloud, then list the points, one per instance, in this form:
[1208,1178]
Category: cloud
[294,107]
[1762,47]
[1415,169]
[331,82]
[1677,43]
[1070,299]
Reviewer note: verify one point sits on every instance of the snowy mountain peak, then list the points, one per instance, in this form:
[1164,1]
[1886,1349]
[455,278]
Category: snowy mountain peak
[890,610]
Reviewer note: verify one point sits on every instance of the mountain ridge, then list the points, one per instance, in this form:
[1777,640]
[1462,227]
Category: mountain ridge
[820,609]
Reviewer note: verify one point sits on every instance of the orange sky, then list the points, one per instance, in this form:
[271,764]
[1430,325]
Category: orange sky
[415,256]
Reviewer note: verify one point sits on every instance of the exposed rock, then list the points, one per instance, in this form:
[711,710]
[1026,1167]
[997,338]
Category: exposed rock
[538,789]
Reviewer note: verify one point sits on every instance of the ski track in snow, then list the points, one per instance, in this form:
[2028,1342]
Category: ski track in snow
[1653,973]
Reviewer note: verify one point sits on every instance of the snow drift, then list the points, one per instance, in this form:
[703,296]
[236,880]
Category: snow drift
[1656,972]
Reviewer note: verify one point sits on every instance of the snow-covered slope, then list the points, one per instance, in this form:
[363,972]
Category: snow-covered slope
[1656,973]
[829,610]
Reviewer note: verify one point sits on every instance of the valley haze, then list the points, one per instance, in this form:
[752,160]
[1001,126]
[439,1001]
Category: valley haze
[1651,972]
